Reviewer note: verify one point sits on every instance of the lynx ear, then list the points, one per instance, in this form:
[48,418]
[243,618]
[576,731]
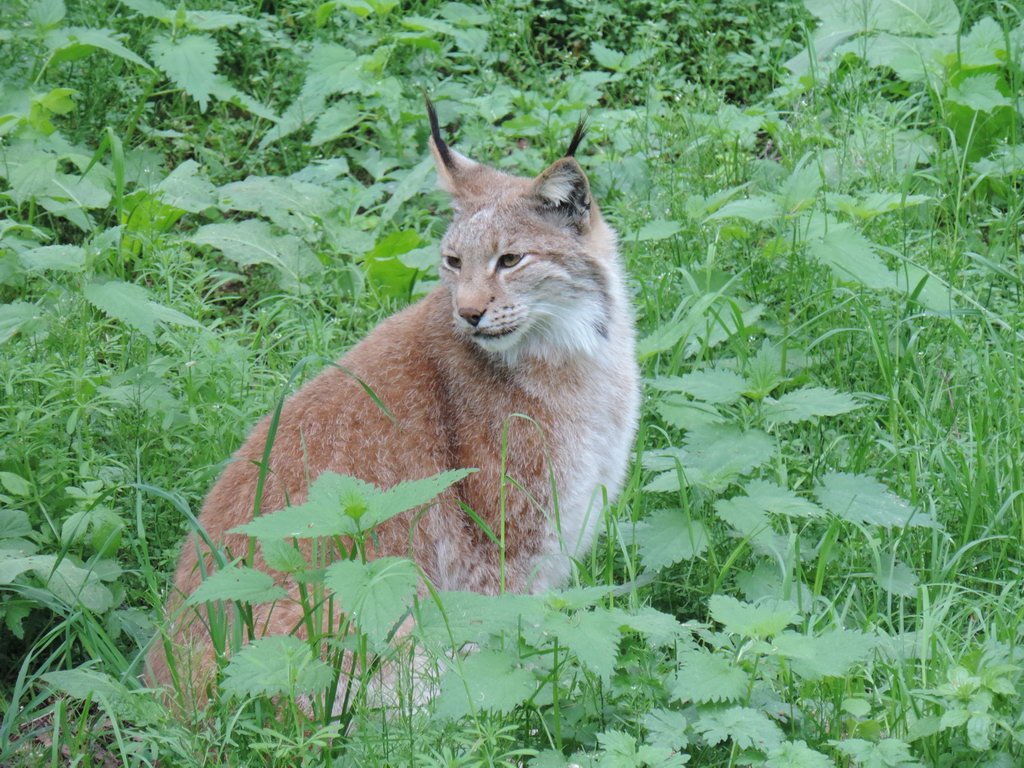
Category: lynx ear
[452,167]
[563,191]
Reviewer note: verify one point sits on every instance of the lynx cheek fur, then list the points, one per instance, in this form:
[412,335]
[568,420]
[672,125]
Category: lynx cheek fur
[532,319]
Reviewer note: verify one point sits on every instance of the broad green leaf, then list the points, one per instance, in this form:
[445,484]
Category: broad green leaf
[592,636]
[410,185]
[717,386]
[862,499]
[151,9]
[190,62]
[666,728]
[484,681]
[70,43]
[14,523]
[913,59]
[375,595]
[748,728]
[620,750]
[984,45]
[410,495]
[186,189]
[796,754]
[70,258]
[705,678]
[207,21]
[762,620]
[807,404]
[657,627]
[15,316]
[667,536]
[978,92]
[754,209]
[223,90]
[800,190]
[607,57]
[659,229]
[333,508]
[46,13]
[469,617]
[289,203]
[275,665]
[684,413]
[131,304]
[887,753]
[765,496]
[717,454]
[15,484]
[69,583]
[252,242]
[830,654]
[282,555]
[920,18]
[851,256]
[895,577]
[237,582]
[335,122]
[91,685]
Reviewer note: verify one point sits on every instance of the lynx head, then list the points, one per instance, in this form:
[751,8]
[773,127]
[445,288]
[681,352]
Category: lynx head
[529,262]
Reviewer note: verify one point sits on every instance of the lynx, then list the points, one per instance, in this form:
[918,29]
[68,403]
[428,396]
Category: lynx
[531,318]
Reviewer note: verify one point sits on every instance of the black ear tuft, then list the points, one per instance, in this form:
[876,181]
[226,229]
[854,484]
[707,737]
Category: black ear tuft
[581,132]
[435,132]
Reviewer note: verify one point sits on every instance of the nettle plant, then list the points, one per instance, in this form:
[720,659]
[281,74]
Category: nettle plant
[971,77]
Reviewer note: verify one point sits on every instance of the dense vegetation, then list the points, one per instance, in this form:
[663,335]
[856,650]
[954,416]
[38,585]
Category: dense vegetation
[817,558]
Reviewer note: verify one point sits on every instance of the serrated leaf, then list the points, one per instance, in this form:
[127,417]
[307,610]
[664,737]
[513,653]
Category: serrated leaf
[484,681]
[252,242]
[70,43]
[469,617]
[335,121]
[190,62]
[666,728]
[62,258]
[807,404]
[753,209]
[978,92]
[887,753]
[667,536]
[15,316]
[705,678]
[714,456]
[376,594]
[91,685]
[717,386]
[592,636]
[748,728]
[862,499]
[334,504]
[14,523]
[830,654]
[131,304]
[69,583]
[896,578]
[765,496]
[186,189]
[237,582]
[762,620]
[796,754]
[275,665]
[659,229]
[920,18]
[851,256]
[607,57]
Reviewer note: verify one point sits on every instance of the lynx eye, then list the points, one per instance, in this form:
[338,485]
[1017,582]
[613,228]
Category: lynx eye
[453,262]
[509,260]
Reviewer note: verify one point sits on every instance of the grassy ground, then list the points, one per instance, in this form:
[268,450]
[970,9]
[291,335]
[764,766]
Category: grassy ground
[817,558]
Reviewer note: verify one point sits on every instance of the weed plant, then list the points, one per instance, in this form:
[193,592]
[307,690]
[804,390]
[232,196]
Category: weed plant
[817,558]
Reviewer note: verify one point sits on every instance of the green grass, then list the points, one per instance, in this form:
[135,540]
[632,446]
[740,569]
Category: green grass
[839,244]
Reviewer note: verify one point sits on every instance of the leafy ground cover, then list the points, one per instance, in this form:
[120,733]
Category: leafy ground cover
[817,558]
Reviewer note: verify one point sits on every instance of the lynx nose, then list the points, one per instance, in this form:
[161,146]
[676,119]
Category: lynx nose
[472,315]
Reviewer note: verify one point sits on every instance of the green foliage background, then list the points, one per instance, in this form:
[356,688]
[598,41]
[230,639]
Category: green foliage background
[817,558]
